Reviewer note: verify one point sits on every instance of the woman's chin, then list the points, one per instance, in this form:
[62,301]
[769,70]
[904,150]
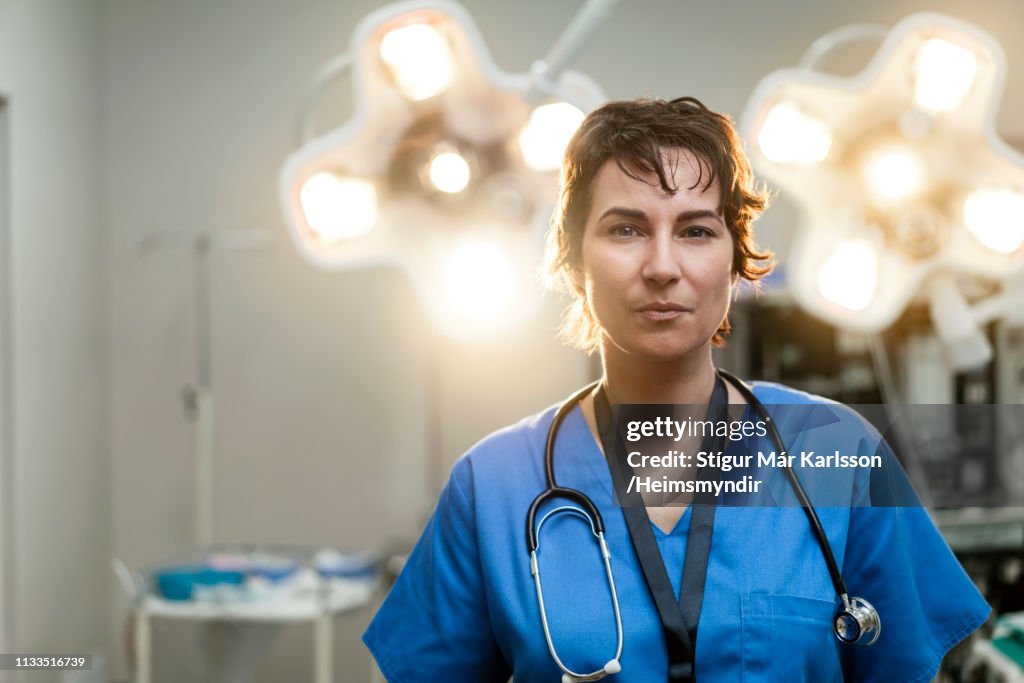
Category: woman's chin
[661,350]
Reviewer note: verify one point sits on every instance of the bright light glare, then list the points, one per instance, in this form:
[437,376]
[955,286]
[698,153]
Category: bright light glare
[893,174]
[996,218]
[338,208]
[544,138]
[849,276]
[479,284]
[789,136]
[420,60]
[449,172]
[943,73]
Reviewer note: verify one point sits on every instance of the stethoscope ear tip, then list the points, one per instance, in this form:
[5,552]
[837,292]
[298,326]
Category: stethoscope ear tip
[568,678]
[612,667]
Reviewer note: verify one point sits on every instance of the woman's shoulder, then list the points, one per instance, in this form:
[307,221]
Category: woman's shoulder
[813,411]
[773,392]
[511,446]
[529,429]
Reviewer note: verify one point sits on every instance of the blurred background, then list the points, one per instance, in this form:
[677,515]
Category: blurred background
[151,260]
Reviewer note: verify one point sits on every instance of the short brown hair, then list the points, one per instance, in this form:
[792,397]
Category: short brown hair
[633,133]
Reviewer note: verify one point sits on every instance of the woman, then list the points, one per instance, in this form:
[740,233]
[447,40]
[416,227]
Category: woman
[654,233]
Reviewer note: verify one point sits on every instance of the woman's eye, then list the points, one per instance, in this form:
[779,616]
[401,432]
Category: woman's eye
[624,230]
[698,233]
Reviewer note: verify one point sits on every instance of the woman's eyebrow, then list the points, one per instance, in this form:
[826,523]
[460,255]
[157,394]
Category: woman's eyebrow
[624,212]
[698,213]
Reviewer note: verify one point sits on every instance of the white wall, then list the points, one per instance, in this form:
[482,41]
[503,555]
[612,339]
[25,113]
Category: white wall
[319,377]
[56,451]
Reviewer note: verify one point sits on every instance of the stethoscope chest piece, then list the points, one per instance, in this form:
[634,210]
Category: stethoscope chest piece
[857,622]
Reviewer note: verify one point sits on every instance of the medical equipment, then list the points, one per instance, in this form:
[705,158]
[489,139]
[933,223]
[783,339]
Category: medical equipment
[446,168]
[892,209]
[855,620]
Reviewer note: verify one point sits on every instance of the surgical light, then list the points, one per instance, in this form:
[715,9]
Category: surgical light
[338,208]
[449,172]
[480,283]
[544,138]
[442,149]
[943,74]
[996,218]
[892,174]
[849,276]
[789,136]
[915,161]
[419,59]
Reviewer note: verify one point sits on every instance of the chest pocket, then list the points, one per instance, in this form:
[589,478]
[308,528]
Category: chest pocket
[788,638]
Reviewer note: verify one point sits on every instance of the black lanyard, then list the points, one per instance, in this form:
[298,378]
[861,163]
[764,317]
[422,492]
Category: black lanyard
[678,620]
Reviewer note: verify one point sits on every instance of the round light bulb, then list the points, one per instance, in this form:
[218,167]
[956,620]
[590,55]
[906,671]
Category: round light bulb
[545,136]
[479,283]
[849,276]
[449,172]
[996,219]
[789,136]
[893,174]
[420,60]
[943,74]
[338,207]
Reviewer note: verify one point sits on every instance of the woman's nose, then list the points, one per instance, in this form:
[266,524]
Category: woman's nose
[661,261]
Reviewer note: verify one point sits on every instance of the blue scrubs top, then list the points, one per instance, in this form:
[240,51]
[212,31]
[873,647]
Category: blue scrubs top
[465,608]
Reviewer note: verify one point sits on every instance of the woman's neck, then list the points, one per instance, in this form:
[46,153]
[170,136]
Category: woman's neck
[630,379]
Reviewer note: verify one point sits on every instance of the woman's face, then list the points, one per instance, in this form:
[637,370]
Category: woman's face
[657,267]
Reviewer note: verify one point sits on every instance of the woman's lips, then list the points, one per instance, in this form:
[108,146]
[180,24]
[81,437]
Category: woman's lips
[660,311]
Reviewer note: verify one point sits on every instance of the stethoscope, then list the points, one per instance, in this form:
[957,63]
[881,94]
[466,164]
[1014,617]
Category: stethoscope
[855,620]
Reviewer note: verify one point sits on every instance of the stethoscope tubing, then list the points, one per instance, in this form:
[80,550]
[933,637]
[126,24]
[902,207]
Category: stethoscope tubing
[606,556]
[812,515]
[589,510]
[556,424]
[553,490]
